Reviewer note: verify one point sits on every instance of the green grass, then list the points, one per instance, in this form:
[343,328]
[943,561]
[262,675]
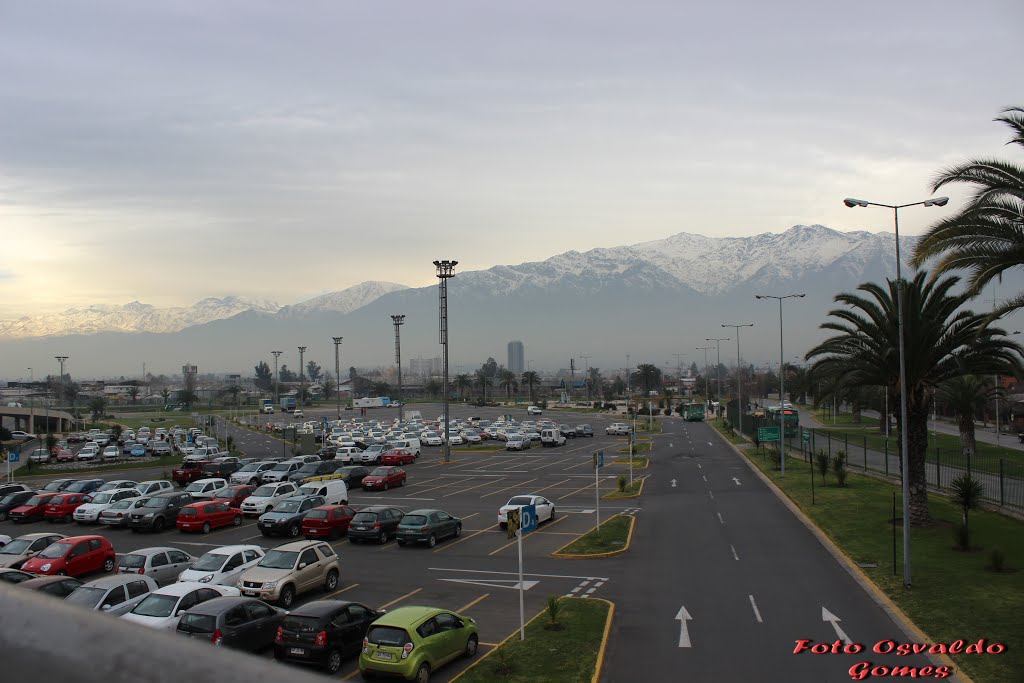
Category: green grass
[548,656]
[953,594]
[630,492]
[729,434]
[637,462]
[610,536]
[638,447]
[169,463]
[843,419]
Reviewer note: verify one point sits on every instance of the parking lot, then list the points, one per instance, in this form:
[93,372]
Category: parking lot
[476,574]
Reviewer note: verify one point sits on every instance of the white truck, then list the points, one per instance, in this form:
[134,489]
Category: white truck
[378,402]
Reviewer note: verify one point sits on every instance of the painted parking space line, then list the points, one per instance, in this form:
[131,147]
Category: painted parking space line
[577,491]
[465,538]
[470,604]
[552,464]
[486,483]
[546,488]
[337,592]
[446,484]
[397,600]
[514,486]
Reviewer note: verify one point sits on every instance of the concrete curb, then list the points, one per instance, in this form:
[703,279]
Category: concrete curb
[612,496]
[559,555]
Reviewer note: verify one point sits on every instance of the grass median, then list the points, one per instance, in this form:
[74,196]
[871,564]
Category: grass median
[955,595]
[638,463]
[628,490]
[612,536]
[566,648]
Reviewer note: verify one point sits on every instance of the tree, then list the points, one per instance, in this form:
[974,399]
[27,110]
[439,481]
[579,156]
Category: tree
[508,382]
[329,385]
[352,374]
[530,378]
[967,493]
[165,394]
[986,237]
[264,376]
[462,383]
[5,434]
[313,370]
[649,376]
[233,391]
[942,339]
[965,395]
[694,370]
[98,406]
[483,380]
[187,397]
[490,367]
[286,375]
[133,392]
[432,387]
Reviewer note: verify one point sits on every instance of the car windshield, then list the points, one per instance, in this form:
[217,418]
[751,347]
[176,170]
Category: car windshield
[520,500]
[264,492]
[122,504]
[313,514]
[279,559]
[414,520]
[16,547]
[157,503]
[102,498]
[55,550]
[132,561]
[8,499]
[364,517]
[156,605]
[53,486]
[86,595]
[387,635]
[288,506]
[37,500]
[251,467]
[282,467]
[210,562]
[195,486]
[379,472]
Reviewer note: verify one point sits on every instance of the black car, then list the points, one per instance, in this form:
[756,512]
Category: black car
[57,586]
[85,486]
[239,623]
[584,430]
[11,501]
[374,523]
[159,512]
[323,633]
[327,452]
[220,470]
[313,469]
[352,475]
[286,517]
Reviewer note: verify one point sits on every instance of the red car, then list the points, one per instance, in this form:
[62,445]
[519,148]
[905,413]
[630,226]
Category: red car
[235,494]
[65,455]
[384,478]
[74,556]
[327,521]
[398,456]
[62,506]
[33,508]
[206,515]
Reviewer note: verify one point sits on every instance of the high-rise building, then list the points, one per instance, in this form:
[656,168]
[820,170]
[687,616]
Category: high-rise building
[426,367]
[516,357]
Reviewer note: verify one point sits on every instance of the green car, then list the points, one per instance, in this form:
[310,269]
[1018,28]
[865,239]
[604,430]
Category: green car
[412,641]
[428,526]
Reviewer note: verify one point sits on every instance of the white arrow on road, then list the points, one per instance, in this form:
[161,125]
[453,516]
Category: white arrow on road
[737,480]
[673,483]
[684,634]
[828,616]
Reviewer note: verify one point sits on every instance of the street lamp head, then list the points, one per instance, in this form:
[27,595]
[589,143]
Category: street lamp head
[445,269]
[938,201]
[337,340]
[850,202]
[398,319]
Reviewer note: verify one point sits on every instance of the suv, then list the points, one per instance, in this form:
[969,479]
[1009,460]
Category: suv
[291,569]
[251,473]
[286,517]
[533,410]
[413,642]
[281,471]
[159,512]
[584,430]
[189,472]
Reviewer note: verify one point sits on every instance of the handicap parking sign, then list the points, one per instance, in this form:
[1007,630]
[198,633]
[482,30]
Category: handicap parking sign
[14,456]
[528,518]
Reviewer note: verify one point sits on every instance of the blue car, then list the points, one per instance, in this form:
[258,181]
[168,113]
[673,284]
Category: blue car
[138,451]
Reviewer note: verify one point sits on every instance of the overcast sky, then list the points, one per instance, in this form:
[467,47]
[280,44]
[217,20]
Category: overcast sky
[170,151]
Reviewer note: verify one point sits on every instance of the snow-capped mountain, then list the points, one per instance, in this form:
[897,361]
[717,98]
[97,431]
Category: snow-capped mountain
[345,301]
[133,317]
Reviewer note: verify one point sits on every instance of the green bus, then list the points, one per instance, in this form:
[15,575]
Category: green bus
[693,412]
[790,419]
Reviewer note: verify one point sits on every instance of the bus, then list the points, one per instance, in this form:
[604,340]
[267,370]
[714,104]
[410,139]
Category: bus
[693,412]
[790,420]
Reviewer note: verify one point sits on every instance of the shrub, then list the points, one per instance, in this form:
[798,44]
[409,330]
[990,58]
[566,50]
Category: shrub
[622,481]
[997,560]
[966,492]
[554,607]
[839,467]
[821,461]
[503,662]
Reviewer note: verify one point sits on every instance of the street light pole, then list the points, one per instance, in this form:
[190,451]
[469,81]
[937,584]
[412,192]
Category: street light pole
[739,374]
[277,377]
[399,320]
[302,378]
[705,349]
[904,438]
[782,380]
[337,376]
[61,360]
[445,270]
[718,374]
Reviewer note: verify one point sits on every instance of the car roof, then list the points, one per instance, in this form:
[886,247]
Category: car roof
[230,549]
[318,608]
[217,606]
[182,588]
[298,545]
[151,551]
[408,615]
[378,508]
[424,511]
[79,539]
[37,536]
[115,580]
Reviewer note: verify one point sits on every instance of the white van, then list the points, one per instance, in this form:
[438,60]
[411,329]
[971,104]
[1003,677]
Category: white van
[551,437]
[334,491]
[408,444]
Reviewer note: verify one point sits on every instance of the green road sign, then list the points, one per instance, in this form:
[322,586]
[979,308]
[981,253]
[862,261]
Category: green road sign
[767,434]
[807,437]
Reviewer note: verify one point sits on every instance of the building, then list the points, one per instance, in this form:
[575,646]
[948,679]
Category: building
[425,367]
[516,357]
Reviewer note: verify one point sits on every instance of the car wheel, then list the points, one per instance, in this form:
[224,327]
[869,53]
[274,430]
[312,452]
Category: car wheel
[267,509]
[287,597]
[237,520]
[382,538]
[108,564]
[552,517]
[386,486]
[471,646]
[401,542]
[3,516]
[333,664]
[253,482]
[158,525]
[458,530]
[62,573]
[423,674]
[432,541]
[332,581]
[206,527]
[293,530]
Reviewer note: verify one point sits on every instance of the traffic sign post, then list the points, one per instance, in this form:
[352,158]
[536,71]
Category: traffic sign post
[598,464]
[520,521]
[767,434]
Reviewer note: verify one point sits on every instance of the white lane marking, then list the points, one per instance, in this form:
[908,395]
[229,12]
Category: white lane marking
[703,477]
[734,555]
[711,494]
[828,616]
[757,614]
[684,633]
[549,576]
[720,517]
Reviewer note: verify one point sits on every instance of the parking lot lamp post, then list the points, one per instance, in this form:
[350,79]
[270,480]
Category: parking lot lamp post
[739,375]
[399,320]
[302,377]
[718,373]
[904,440]
[61,360]
[277,375]
[337,376]
[705,349]
[445,270]
[782,380]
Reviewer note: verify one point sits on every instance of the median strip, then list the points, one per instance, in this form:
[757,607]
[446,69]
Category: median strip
[611,538]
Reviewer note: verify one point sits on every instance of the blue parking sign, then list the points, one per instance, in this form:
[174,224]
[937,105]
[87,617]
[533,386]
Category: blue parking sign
[528,518]
[14,456]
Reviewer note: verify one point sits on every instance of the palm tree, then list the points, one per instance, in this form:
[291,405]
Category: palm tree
[966,492]
[187,397]
[508,382]
[165,394]
[432,387]
[965,396]
[98,406]
[462,383]
[942,340]
[986,237]
[134,393]
[483,380]
[529,379]
[649,376]
[380,388]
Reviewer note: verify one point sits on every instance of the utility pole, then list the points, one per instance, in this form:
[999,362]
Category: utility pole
[445,270]
[586,377]
[705,349]
[718,372]
[61,360]
[277,377]
[337,376]
[399,320]
[739,374]
[302,378]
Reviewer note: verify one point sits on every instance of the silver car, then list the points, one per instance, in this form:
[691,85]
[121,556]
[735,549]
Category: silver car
[162,564]
[117,594]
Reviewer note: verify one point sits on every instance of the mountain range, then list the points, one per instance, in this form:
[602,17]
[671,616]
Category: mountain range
[650,300]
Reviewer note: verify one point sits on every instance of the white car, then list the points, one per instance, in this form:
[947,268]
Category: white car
[204,489]
[161,609]
[618,428]
[111,453]
[266,496]
[533,410]
[471,437]
[251,474]
[456,440]
[89,512]
[223,566]
[432,439]
[186,448]
[152,487]
[517,442]
[545,508]
[347,455]
[115,484]
[89,452]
